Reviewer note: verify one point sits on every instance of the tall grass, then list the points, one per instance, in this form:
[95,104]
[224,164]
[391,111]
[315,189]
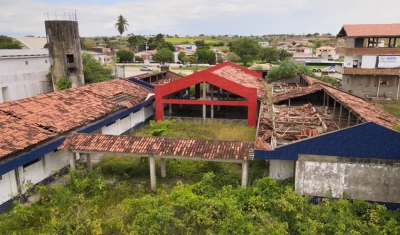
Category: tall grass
[209,131]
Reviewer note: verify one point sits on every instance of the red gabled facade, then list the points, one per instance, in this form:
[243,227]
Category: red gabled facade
[249,93]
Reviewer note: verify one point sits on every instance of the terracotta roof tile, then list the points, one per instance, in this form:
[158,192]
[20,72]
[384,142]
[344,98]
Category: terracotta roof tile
[15,134]
[210,149]
[364,109]
[47,115]
[241,77]
[369,30]
[296,92]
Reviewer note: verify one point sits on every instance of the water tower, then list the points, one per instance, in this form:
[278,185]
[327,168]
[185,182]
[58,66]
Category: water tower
[64,46]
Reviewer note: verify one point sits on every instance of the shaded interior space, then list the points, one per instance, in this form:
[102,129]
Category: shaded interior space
[302,117]
[219,111]
[205,91]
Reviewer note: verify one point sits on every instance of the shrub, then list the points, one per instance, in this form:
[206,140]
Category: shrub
[64,83]
[125,55]
[138,58]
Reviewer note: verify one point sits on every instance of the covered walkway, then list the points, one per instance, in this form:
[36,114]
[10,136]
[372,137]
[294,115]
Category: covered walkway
[163,148]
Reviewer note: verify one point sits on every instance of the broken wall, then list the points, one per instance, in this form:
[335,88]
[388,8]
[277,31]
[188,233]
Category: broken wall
[346,177]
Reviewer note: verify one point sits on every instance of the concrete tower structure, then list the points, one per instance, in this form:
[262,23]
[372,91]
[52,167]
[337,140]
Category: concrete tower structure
[64,48]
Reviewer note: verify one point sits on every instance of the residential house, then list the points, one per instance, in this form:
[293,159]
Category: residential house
[370,70]
[263,44]
[326,52]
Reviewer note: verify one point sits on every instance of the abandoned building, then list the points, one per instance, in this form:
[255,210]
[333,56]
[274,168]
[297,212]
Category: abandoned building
[371,66]
[33,128]
[64,46]
[330,141]
[225,91]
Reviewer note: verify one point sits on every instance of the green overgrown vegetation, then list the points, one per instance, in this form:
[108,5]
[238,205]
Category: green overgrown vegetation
[209,131]
[328,79]
[287,69]
[392,108]
[197,197]
[9,43]
[63,83]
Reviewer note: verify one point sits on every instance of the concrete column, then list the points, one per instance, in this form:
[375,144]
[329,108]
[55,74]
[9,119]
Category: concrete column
[89,163]
[163,168]
[245,172]
[212,98]
[72,161]
[152,173]
[324,98]
[334,109]
[327,101]
[169,109]
[348,120]
[204,106]
[219,90]
[281,169]
[340,115]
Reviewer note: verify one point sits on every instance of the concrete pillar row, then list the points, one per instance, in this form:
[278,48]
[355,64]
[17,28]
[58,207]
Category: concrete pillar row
[245,172]
[72,161]
[89,163]
[163,167]
[152,173]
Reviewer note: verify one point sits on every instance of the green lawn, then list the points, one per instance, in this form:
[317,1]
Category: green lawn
[209,131]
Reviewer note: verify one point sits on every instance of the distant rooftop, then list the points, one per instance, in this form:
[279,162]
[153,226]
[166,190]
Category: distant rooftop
[23,53]
[32,42]
[370,30]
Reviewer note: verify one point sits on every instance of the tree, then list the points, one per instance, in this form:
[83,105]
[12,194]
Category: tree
[9,43]
[247,49]
[232,57]
[164,55]
[287,69]
[283,54]
[181,55]
[121,26]
[165,44]
[135,42]
[317,44]
[220,59]
[93,71]
[200,43]
[269,54]
[125,55]
[205,55]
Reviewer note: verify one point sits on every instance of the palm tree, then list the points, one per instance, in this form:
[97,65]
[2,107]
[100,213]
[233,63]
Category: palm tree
[121,26]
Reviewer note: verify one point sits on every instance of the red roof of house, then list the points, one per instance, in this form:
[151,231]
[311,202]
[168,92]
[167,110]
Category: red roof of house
[241,77]
[28,121]
[369,30]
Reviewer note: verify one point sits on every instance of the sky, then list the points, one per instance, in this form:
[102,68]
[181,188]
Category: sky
[194,17]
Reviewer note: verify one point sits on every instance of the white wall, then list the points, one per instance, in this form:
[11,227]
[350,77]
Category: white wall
[8,186]
[55,161]
[24,80]
[148,111]
[358,180]
[368,61]
[348,61]
[281,169]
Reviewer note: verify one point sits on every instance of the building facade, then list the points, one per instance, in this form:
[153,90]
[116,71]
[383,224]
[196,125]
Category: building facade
[23,73]
[113,107]
[371,68]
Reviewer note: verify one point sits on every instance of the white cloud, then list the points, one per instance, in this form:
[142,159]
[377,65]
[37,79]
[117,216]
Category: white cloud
[21,17]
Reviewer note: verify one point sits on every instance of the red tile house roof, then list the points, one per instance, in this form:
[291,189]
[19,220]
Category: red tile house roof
[193,148]
[16,134]
[54,113]
[369,30]
[242,78]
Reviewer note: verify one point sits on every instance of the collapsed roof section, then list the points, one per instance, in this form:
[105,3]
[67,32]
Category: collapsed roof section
[330,110]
